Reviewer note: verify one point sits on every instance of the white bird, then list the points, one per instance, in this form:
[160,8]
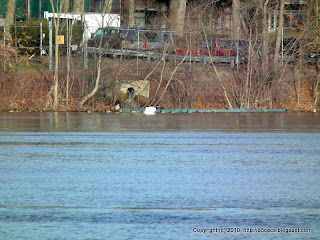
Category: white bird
[117,107]
[150,110]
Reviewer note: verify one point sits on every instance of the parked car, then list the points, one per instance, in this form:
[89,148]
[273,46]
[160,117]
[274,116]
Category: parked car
[217,47]
[291,47]
[313,53]
[105,38]
[231,48]
[147,40]
[132,39]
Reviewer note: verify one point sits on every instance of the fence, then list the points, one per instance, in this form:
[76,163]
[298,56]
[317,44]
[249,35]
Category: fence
[38,39]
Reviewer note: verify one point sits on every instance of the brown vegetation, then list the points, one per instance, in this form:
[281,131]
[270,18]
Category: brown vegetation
[27,88]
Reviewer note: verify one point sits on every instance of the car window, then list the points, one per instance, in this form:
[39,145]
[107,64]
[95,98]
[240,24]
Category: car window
[208,43]
[97,33]
[106,32]
[127,34]
[168,38]
[230,43]
[151,35]
[222,43]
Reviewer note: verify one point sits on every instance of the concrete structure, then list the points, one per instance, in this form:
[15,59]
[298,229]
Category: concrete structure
[140,87]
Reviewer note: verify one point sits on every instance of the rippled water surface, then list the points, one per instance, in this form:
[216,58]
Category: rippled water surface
[168,176]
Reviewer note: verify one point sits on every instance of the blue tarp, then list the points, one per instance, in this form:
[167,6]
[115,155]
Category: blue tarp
[184,110]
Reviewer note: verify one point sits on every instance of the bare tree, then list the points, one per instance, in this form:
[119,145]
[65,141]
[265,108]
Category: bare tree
[236,19]
[10,17]
[56,23]
[69,49]
[131,8]
[65,6]
[99,66]
[265,37]
[108,4]
[78,6]
[279,34]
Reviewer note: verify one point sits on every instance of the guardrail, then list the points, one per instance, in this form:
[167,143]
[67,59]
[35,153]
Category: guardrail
[296,2]
[150,55]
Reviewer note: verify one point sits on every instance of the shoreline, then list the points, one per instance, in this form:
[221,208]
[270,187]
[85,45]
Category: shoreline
[173,110]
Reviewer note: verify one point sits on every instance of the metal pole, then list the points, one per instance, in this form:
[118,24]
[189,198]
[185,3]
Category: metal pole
[120,12]
[40,9]
[317,11]
[190,54]
[5,50]
[41,39]
[282,45]
[138,51]
[50,44]
[317,16]
[68,38]
[16,46]
[85,47]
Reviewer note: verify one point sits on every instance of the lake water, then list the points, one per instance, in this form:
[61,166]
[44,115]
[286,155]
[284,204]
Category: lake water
[168,176]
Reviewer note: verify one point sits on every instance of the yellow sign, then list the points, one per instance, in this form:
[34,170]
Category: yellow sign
[61,39]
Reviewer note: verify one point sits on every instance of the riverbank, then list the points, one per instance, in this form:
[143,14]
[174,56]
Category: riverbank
[28,88]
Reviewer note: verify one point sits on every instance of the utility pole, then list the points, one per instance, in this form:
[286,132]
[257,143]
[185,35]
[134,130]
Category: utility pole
[41,36]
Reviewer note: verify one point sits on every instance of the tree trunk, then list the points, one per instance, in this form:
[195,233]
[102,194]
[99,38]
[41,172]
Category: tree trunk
[65,6]
[56,69]
[99,63]
[300,67]
[10,17]
[265,57]
[56,23]
[178,12]
[246,96]
[108,5]
[69,32]
[279,34]
[131,8]
[96,86]
[236,20]
[78,6]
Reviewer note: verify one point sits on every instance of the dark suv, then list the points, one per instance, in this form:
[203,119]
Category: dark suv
[105,38]
[290,50]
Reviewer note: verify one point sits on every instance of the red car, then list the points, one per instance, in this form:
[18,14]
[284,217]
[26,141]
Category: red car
[219,47]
